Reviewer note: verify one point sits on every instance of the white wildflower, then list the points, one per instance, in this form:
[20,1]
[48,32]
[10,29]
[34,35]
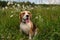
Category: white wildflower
[47,8]
[3,8]
[8,3]
[18,5]
[36,17]
[32,8]
[13,6]
[6,7]
[11,15]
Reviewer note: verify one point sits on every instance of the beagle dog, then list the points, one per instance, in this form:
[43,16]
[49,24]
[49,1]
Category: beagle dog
[26,24]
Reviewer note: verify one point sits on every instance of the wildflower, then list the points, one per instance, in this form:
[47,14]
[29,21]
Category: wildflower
[32,8]
[18,5]
[8,3]
[3,8]
[36,17]
[47,8]
[13,6]
[11,15]
[6,7]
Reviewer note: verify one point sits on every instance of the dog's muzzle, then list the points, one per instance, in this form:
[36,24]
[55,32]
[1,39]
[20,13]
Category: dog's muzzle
[26,20]
[27,15]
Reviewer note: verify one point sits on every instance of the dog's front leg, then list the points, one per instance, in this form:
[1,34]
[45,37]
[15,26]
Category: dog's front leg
[30,34]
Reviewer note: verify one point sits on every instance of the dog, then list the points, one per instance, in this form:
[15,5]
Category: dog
[26,25]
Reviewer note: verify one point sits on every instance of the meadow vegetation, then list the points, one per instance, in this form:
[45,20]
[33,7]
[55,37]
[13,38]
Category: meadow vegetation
[47,19]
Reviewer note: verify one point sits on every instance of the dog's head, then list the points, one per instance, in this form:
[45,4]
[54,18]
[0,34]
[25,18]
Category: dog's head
[25,16]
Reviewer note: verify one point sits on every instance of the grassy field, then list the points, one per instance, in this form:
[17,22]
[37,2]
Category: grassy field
[47,20]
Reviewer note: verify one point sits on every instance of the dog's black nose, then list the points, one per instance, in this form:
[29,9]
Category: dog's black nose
[27,15]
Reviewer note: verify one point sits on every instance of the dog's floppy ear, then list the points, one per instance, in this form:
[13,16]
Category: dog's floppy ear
[20,16]
[30,14]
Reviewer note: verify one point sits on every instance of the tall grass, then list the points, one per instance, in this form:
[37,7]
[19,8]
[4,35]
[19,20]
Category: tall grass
[47,20]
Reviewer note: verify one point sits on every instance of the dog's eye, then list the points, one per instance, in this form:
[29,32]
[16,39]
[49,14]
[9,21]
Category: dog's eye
[23,13]
[28,13]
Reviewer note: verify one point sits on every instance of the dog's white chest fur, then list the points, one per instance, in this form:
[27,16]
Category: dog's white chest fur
[25,27]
